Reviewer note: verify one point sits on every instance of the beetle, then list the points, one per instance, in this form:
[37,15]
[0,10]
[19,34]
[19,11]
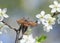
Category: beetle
[24,24]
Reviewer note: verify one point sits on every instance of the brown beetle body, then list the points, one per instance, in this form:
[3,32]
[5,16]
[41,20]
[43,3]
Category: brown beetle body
[26,23]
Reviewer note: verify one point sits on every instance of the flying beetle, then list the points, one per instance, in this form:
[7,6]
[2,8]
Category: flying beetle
[24,24]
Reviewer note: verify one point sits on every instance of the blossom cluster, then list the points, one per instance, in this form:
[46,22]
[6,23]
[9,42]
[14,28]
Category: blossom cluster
[2,16]
[27,39]
[47,19]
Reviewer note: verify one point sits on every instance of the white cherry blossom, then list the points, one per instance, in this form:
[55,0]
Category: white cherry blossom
[3,14]
[55,7]
[40,16]
[27,39]
[47,20]
[1,18]
[47,28]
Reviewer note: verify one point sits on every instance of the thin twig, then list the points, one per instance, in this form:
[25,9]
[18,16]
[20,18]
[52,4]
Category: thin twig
[9,26]
[54,14]
[17,31]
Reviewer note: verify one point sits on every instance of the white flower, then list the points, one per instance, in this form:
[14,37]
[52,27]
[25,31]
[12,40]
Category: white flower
[47,28]
[3,14]
[49,21]
[24,39]
[31,39]
[40,16]
[27,39]
[45,22]
[55,7]
[58,20]
[1,18]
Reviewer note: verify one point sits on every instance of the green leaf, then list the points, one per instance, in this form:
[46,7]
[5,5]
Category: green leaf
[41,39]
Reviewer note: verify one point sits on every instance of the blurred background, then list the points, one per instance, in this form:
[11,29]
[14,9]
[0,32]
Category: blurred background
[17,9]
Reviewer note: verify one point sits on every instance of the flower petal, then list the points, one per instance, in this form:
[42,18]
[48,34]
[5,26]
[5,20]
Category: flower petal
[5,15]
[47,16]
[53,21]
[56,2]
[4,10]
[47,28]
[0,10]
[1,18]
[42,13]
[45,23]
[38,16]
[51,6]
[58,9]
[59,5]
[53,10]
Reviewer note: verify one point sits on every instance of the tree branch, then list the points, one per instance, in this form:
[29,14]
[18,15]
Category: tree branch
[10,26]
[54,14]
